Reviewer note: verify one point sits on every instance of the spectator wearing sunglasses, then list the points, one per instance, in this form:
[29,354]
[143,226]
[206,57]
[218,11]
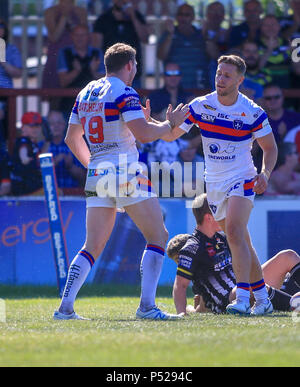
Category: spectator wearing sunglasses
[293,136]
[172,92]
[281,119]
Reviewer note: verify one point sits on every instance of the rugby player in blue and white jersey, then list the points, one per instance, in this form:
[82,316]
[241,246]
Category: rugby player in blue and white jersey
[229,123]
[108,112]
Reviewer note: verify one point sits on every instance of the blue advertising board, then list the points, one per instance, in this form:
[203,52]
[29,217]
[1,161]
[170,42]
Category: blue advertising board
[26,254]
[275,225]
[283,231]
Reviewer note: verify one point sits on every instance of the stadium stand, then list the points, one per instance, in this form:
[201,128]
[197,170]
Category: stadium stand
[29,31]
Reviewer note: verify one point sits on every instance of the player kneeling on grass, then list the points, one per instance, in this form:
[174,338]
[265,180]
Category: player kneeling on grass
[205,259]
[109,114]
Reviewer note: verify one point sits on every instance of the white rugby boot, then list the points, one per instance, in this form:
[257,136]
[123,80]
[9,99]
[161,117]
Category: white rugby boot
[157,314]
[73,316]
[239,308]
[262,308]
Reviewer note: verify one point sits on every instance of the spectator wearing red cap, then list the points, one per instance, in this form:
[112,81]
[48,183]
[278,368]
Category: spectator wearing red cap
[32,118]
[26,175]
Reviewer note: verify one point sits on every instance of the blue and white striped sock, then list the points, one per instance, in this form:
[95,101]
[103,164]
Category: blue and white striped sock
[243,292]
[260,291]
[151,265]
[78,272]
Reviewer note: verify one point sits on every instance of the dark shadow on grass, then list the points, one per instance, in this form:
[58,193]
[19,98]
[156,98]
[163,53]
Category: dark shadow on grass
[133,319]
[272,315]
[12,292]
[276,315]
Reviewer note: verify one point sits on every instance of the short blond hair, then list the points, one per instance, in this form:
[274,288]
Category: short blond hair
[234,60]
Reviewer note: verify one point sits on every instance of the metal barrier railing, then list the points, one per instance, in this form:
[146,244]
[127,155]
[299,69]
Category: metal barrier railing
[26,23]
[13,94]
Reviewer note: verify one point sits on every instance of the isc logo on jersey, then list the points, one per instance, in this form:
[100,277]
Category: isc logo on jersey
[224,116]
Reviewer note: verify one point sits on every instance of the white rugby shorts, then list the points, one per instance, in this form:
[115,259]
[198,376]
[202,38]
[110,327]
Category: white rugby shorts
[114,187]
[218,194]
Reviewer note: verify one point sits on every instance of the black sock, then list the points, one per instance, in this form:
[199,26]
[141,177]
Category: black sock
[279,299]
[291,284]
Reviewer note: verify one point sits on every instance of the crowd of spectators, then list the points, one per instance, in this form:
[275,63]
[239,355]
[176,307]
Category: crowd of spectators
[9,69]
[20,172]
[60,19]
[78,64]
[122,23]
[188,52]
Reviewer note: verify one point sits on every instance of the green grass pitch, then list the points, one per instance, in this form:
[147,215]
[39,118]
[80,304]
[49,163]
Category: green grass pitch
[114,338]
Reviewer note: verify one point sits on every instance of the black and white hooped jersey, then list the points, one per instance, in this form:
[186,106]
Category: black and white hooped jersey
[207,262]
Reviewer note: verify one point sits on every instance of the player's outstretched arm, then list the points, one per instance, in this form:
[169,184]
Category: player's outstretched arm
[152,130]
[75,141]
[147,113]
[268,145]
[179,294]
[176,131]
